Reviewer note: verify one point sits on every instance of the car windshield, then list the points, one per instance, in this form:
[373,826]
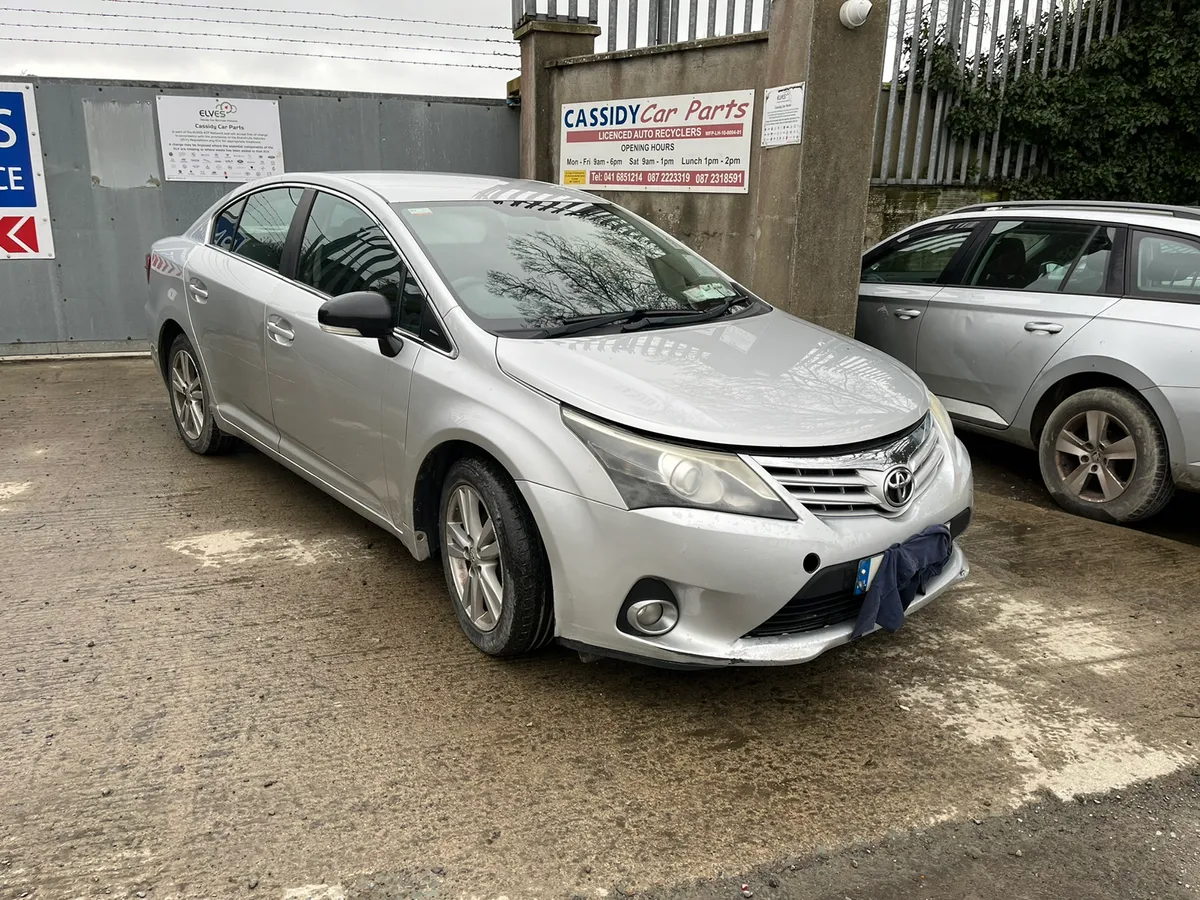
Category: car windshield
[519,268]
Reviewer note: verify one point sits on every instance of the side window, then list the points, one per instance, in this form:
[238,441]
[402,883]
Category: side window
[918,258]
[343,251]
[225,227]
[1033,255]
[263,227]
[1166,268]
[1087,277]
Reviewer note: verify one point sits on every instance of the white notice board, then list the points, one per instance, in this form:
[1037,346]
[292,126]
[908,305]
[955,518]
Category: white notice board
[212,139]
[686,142]
[783,115]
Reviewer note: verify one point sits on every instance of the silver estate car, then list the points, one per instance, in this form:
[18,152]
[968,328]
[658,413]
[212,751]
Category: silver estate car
[606,440]
[1069,327]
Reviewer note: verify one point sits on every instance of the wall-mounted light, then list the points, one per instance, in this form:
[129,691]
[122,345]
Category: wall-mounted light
[854,12]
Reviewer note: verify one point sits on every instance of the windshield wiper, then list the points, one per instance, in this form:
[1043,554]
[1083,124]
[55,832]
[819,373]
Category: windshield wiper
[580,324]
[634,319]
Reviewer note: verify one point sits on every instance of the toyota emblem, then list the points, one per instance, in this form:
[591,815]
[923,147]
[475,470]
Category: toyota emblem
[898,486]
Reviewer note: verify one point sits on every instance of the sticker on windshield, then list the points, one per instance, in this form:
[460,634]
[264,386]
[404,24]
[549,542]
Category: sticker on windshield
[710,290]
[421,211]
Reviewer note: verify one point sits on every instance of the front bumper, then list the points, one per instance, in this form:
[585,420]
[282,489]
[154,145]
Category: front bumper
[729,573]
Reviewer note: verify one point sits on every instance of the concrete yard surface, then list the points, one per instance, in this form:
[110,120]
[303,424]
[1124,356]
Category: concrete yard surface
[216,681]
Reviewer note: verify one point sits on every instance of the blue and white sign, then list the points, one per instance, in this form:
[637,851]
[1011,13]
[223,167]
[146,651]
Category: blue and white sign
[24,207]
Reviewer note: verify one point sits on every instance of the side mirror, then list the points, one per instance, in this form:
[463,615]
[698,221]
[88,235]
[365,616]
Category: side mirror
[364,314]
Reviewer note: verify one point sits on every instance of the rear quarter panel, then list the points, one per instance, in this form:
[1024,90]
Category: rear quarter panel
[166,299]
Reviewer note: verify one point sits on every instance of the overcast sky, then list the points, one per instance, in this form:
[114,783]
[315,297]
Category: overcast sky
[39,25]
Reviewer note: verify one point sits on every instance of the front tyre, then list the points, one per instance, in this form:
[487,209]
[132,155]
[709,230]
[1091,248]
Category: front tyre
[494,561]
[1103,455]
[191,401]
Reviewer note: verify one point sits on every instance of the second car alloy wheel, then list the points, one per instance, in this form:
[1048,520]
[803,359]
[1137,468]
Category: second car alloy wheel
[1096,456]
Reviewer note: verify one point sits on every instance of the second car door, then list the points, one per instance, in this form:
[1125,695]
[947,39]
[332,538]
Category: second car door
[327,389]
[898,280]
[1033,284]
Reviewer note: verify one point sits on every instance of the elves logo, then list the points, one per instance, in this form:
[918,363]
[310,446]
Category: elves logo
[223,108]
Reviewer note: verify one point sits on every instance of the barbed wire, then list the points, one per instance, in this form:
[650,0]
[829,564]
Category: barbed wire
[253,37]
[325,56]
[305,12]
[231,22]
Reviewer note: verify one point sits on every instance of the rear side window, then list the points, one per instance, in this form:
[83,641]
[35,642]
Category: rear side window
[225,227]
[262,229]
[1031,255]
[1166,268]
[918,258]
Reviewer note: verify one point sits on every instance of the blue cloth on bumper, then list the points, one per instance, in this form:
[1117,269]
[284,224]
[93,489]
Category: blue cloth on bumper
[905,570]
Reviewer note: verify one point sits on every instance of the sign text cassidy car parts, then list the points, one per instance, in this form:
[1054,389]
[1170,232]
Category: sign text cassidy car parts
[606,440]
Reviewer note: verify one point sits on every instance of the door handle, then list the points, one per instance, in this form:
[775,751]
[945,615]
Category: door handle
[1043,327]
[906,314]
[197,289]
[280,330]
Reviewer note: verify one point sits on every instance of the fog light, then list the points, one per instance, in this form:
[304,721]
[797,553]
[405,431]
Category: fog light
[652,616]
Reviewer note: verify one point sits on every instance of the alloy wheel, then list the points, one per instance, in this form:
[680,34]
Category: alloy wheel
[1096,456]
[187,395]
[475,563]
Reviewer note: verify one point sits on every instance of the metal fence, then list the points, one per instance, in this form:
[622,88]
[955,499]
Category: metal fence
[109,198]
[992,42]
[628,24]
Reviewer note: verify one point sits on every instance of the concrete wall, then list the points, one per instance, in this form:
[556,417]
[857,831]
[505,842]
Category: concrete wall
[719,226]
[889,209]
[109,202]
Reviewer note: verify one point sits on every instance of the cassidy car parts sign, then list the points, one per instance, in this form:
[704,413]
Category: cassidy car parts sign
[686,142]
[24,206]
[214,139]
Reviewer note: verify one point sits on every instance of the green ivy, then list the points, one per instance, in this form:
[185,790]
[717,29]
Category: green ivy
[1123,125]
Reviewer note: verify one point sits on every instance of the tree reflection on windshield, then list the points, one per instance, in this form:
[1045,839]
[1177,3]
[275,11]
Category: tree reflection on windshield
[523,266]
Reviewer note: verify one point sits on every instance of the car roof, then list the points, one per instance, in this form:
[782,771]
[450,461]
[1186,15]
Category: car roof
[1182,219]
[429,187]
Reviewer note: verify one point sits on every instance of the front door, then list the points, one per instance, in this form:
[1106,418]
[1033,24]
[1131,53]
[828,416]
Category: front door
[228,283]
[1033,285]
[898,281]
[327,389]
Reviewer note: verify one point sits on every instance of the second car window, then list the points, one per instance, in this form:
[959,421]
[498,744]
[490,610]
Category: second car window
[344,250]
[918,258]
[1030,256]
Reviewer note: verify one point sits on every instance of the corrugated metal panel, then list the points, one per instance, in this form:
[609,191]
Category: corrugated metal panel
[108,202]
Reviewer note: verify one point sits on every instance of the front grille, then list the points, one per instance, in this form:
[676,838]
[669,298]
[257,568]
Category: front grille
[852,484]
[828,597]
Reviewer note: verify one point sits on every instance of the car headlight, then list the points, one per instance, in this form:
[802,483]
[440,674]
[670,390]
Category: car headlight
[653,473]
[941,416]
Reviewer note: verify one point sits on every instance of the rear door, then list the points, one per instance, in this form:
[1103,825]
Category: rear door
[228,282]
[898,280]
[1033,284]
[327,389]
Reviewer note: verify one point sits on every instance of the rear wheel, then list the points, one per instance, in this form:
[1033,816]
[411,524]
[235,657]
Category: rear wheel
[494,561]
[190,401]
[1104,456]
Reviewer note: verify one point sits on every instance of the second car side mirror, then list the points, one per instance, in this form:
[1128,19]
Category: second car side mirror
[359,314]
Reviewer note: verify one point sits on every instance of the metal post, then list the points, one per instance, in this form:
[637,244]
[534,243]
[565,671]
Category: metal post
[633,23]
[909,88]
[1062,35]
[573,10]
[987,80]
[766,14]
[924,105]
[712,18]
[612,25]
[1087,42]
[728,16]
[1104,20]
[652,30]
[1075,38]
[693,14]
[552,12]
[889,126]
[673,31]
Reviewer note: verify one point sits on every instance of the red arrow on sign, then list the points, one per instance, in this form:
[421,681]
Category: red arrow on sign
[18,234]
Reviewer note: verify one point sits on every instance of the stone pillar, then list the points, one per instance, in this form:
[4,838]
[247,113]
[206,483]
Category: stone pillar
[543,42]
[811,198]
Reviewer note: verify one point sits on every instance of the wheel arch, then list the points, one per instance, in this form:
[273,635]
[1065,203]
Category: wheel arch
[1085,373]
[170,330]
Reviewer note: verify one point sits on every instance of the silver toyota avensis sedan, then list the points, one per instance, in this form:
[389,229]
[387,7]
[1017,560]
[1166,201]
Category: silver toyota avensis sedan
[605,439]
